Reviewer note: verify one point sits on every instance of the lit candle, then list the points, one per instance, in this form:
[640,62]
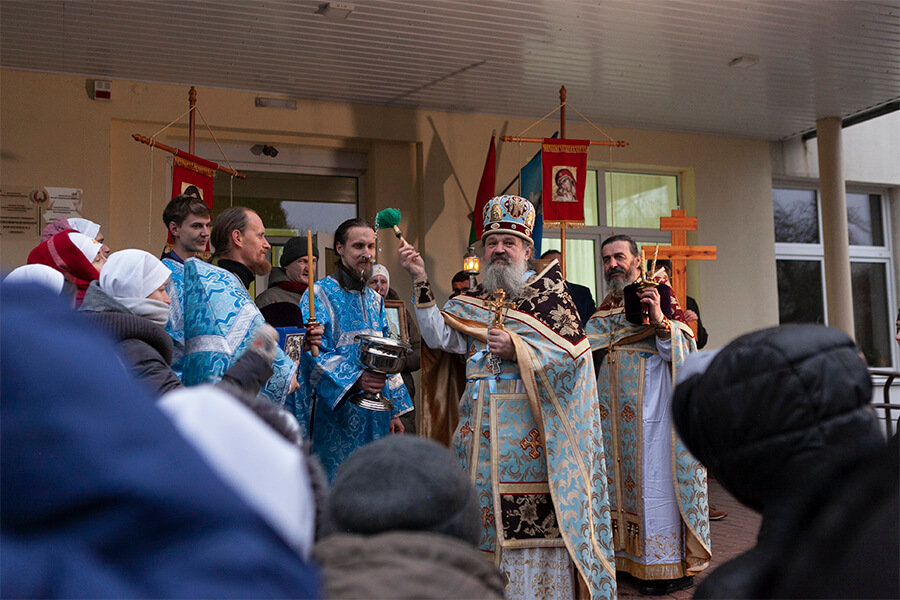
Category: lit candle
[311,278]
[653,268]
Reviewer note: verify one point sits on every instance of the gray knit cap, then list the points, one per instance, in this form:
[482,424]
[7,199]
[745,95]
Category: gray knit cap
[403,482]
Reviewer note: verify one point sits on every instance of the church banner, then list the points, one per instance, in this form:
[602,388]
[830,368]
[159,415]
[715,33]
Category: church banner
[564,171]
[189,171]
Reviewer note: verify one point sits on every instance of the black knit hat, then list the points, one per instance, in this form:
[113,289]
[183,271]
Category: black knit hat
[296,248]
[407,483]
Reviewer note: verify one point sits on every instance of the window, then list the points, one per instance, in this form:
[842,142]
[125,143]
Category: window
[800,265]
[633,203]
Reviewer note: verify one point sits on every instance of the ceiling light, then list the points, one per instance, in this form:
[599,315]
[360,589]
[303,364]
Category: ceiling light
[744,62]
[335,10]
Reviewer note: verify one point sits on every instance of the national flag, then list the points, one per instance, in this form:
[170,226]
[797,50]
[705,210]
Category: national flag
[530,189]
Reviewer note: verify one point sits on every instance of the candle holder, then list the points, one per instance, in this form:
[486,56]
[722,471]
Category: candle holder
[314,350]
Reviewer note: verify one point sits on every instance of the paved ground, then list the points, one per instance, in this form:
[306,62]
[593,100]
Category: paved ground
[731,536]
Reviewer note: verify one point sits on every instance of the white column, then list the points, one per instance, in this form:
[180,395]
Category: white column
[835,237]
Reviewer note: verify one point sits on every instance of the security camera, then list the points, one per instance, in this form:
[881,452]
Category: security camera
[267,150]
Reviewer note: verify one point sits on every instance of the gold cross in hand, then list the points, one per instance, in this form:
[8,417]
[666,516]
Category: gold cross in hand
[498,305]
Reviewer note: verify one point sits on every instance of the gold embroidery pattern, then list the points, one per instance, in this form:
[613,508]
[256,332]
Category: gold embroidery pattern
[532,444]
[465,430]
[529,516]
[629,483]
[487,517]
[627,413]
[604,413]
[564,321]
[422,293]
[663,546]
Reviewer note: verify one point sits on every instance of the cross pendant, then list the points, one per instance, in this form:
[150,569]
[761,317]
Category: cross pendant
[494,361]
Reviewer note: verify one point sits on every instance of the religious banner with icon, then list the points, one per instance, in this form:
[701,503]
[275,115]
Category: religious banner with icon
[192,175]
[189,170]
[564,171]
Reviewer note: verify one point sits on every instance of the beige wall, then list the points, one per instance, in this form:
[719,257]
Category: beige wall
[428,164]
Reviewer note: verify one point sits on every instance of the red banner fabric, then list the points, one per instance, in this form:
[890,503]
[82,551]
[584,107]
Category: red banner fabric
[485,191]
[187,172]
[564,171]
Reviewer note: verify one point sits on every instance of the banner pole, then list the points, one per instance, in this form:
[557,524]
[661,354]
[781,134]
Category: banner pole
[192,102]
[562,135]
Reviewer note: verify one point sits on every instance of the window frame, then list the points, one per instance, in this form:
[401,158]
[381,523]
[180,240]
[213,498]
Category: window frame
[857,254]
[598,233]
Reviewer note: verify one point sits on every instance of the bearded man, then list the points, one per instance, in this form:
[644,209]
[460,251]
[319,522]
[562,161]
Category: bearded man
[241,247]
[527,435]
[346,307]
[219,313]
[658,496]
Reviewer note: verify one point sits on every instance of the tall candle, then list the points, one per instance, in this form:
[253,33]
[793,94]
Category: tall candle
[312,274]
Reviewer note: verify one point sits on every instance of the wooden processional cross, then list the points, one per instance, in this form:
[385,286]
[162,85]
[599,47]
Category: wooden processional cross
[562,138]
[679,253]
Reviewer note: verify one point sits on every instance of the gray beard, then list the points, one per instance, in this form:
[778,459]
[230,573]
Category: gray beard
[616,286]
[509,278]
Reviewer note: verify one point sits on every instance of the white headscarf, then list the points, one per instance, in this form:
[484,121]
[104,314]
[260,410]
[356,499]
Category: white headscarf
[266,470]
[380,270]
[86,244]
[38,275]
[130,276]
[88,228]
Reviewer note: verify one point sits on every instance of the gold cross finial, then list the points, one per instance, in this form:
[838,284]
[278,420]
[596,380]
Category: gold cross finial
[498,305]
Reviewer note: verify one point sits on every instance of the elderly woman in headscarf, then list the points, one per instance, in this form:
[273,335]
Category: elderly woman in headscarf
[130,302]
[76,256]
[380,281]
[85,226]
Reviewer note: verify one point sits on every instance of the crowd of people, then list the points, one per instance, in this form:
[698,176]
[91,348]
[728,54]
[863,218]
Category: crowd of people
[168,438]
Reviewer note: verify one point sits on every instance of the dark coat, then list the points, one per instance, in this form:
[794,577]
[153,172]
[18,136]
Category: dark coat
[146,349]
[584,301]
[413,364]
[102,497]
[280,307]
[702,336]
[775,415]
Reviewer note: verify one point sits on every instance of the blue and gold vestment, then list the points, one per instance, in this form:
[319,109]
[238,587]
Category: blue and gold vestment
[337,426]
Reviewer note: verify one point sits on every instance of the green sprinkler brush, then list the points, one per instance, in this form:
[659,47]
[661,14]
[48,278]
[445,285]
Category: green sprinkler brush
[390,218]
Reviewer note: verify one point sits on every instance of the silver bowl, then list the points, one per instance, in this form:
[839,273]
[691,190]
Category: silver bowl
[382,355]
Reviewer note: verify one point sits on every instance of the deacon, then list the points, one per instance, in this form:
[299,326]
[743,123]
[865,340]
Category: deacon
[527,435]
[187,219]
[346,307]
[660,518]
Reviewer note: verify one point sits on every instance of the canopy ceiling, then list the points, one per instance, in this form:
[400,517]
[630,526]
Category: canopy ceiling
[650,64]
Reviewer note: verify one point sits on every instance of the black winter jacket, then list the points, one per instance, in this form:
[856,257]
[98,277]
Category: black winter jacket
[775,414]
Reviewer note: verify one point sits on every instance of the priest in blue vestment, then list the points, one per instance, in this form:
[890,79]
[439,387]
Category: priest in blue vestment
[346,307]
[528,436]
